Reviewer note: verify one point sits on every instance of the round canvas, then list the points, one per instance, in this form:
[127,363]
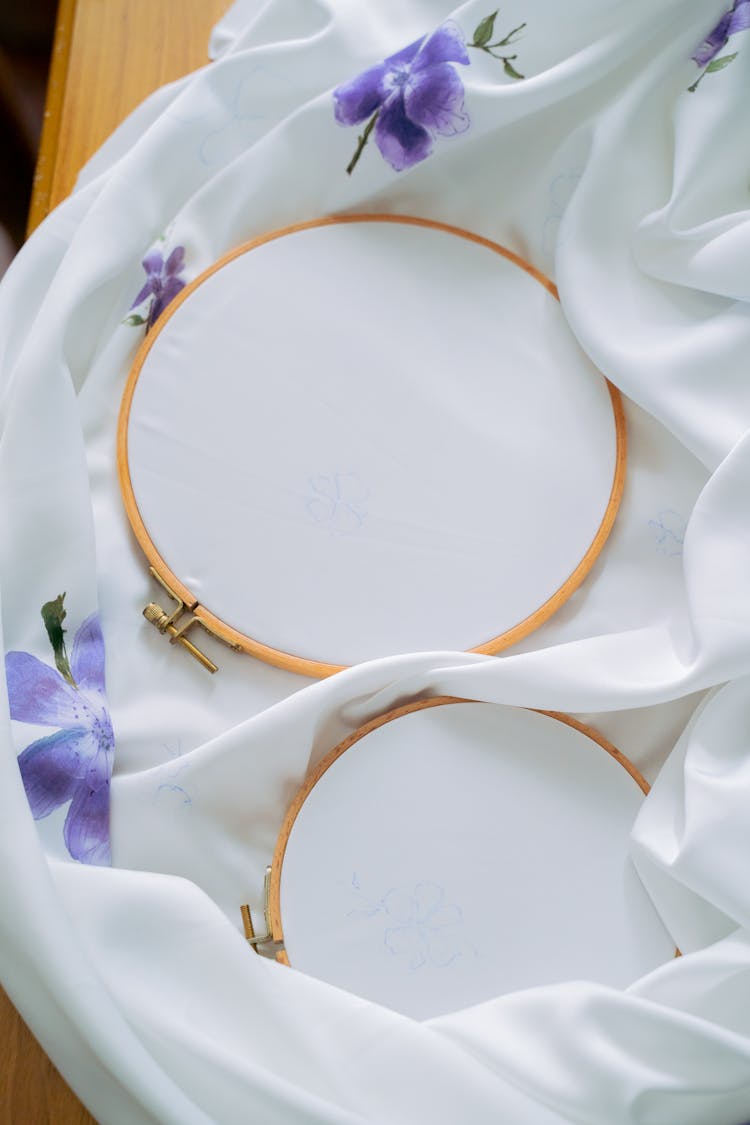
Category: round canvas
[453,851]
[369,435]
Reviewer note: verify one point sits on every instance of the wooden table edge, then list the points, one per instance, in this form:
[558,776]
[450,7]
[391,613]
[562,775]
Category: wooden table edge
[41,196]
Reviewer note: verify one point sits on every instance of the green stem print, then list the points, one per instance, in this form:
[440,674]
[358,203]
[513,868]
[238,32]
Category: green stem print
[707,54]
[361,142]
[416,95]
[713,66]
[482,42]
[53,615]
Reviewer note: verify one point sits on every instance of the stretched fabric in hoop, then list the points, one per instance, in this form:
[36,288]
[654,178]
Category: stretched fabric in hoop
[392,475]
[407,871]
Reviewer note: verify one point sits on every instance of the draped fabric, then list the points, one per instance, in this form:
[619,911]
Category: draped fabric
[607,143]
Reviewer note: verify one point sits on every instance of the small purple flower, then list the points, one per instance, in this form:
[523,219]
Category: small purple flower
[411,98]
[162,284]
[75,763]
[736,19]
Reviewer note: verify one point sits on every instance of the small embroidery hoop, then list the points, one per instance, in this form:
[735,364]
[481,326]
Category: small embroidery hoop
[189,611]
[273,939]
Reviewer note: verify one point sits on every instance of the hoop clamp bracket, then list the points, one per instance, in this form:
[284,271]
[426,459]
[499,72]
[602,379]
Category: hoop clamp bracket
[255,940]
[176,627]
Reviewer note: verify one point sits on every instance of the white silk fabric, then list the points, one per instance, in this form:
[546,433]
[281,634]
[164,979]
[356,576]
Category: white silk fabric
[603,169]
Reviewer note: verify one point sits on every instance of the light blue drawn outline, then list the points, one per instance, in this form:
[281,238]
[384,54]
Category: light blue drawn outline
[419,926]
[238,116]
[338,502]
[669,539]
[168,786]
[558,203]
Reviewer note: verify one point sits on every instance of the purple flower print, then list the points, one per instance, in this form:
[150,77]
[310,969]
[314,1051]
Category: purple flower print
[416,95]
[75,763]
[736,19]
[705,55]
[410,98]
[162,285]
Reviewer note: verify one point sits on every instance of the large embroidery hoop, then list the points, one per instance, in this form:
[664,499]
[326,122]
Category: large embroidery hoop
[452,850]
[468,548]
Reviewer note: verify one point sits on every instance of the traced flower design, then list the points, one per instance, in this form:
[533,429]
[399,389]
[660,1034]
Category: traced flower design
[705,55]
[416,95]
[183,797]
[75,763]
[338,502]
[561,191]
[410,98]
[162,285]
[169,787]
[247,113]
[668,529]
[425,929]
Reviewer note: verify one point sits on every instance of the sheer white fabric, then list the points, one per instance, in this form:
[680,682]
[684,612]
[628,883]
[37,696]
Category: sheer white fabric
[602,168]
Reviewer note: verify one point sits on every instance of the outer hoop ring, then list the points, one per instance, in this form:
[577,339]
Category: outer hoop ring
[289,661]
[274,896]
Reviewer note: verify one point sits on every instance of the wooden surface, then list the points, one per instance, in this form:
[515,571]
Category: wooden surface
[31,1090]
[108,55]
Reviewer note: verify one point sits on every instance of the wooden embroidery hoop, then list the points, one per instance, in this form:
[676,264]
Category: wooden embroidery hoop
[177,624]
[276,929]
[271,941]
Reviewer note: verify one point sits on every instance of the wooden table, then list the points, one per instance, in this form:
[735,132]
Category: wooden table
[108,55]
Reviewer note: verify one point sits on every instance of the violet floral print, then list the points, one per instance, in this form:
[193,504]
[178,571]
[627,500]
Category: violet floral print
[417,95]
[162,285]
[75,763]
[707,55]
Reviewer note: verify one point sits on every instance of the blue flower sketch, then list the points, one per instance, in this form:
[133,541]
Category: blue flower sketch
[167,790]
[561,191]
[75,763]
[182,796]
[426,929]
[338,502]
[422,928]
[668,529]
[245,118]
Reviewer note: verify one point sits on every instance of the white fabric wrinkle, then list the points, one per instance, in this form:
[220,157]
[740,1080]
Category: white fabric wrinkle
[153,988]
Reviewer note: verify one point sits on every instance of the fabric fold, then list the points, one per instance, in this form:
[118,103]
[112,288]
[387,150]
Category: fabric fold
[609,156]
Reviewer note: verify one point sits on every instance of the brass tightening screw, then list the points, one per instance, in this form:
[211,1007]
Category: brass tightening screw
[156,615]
